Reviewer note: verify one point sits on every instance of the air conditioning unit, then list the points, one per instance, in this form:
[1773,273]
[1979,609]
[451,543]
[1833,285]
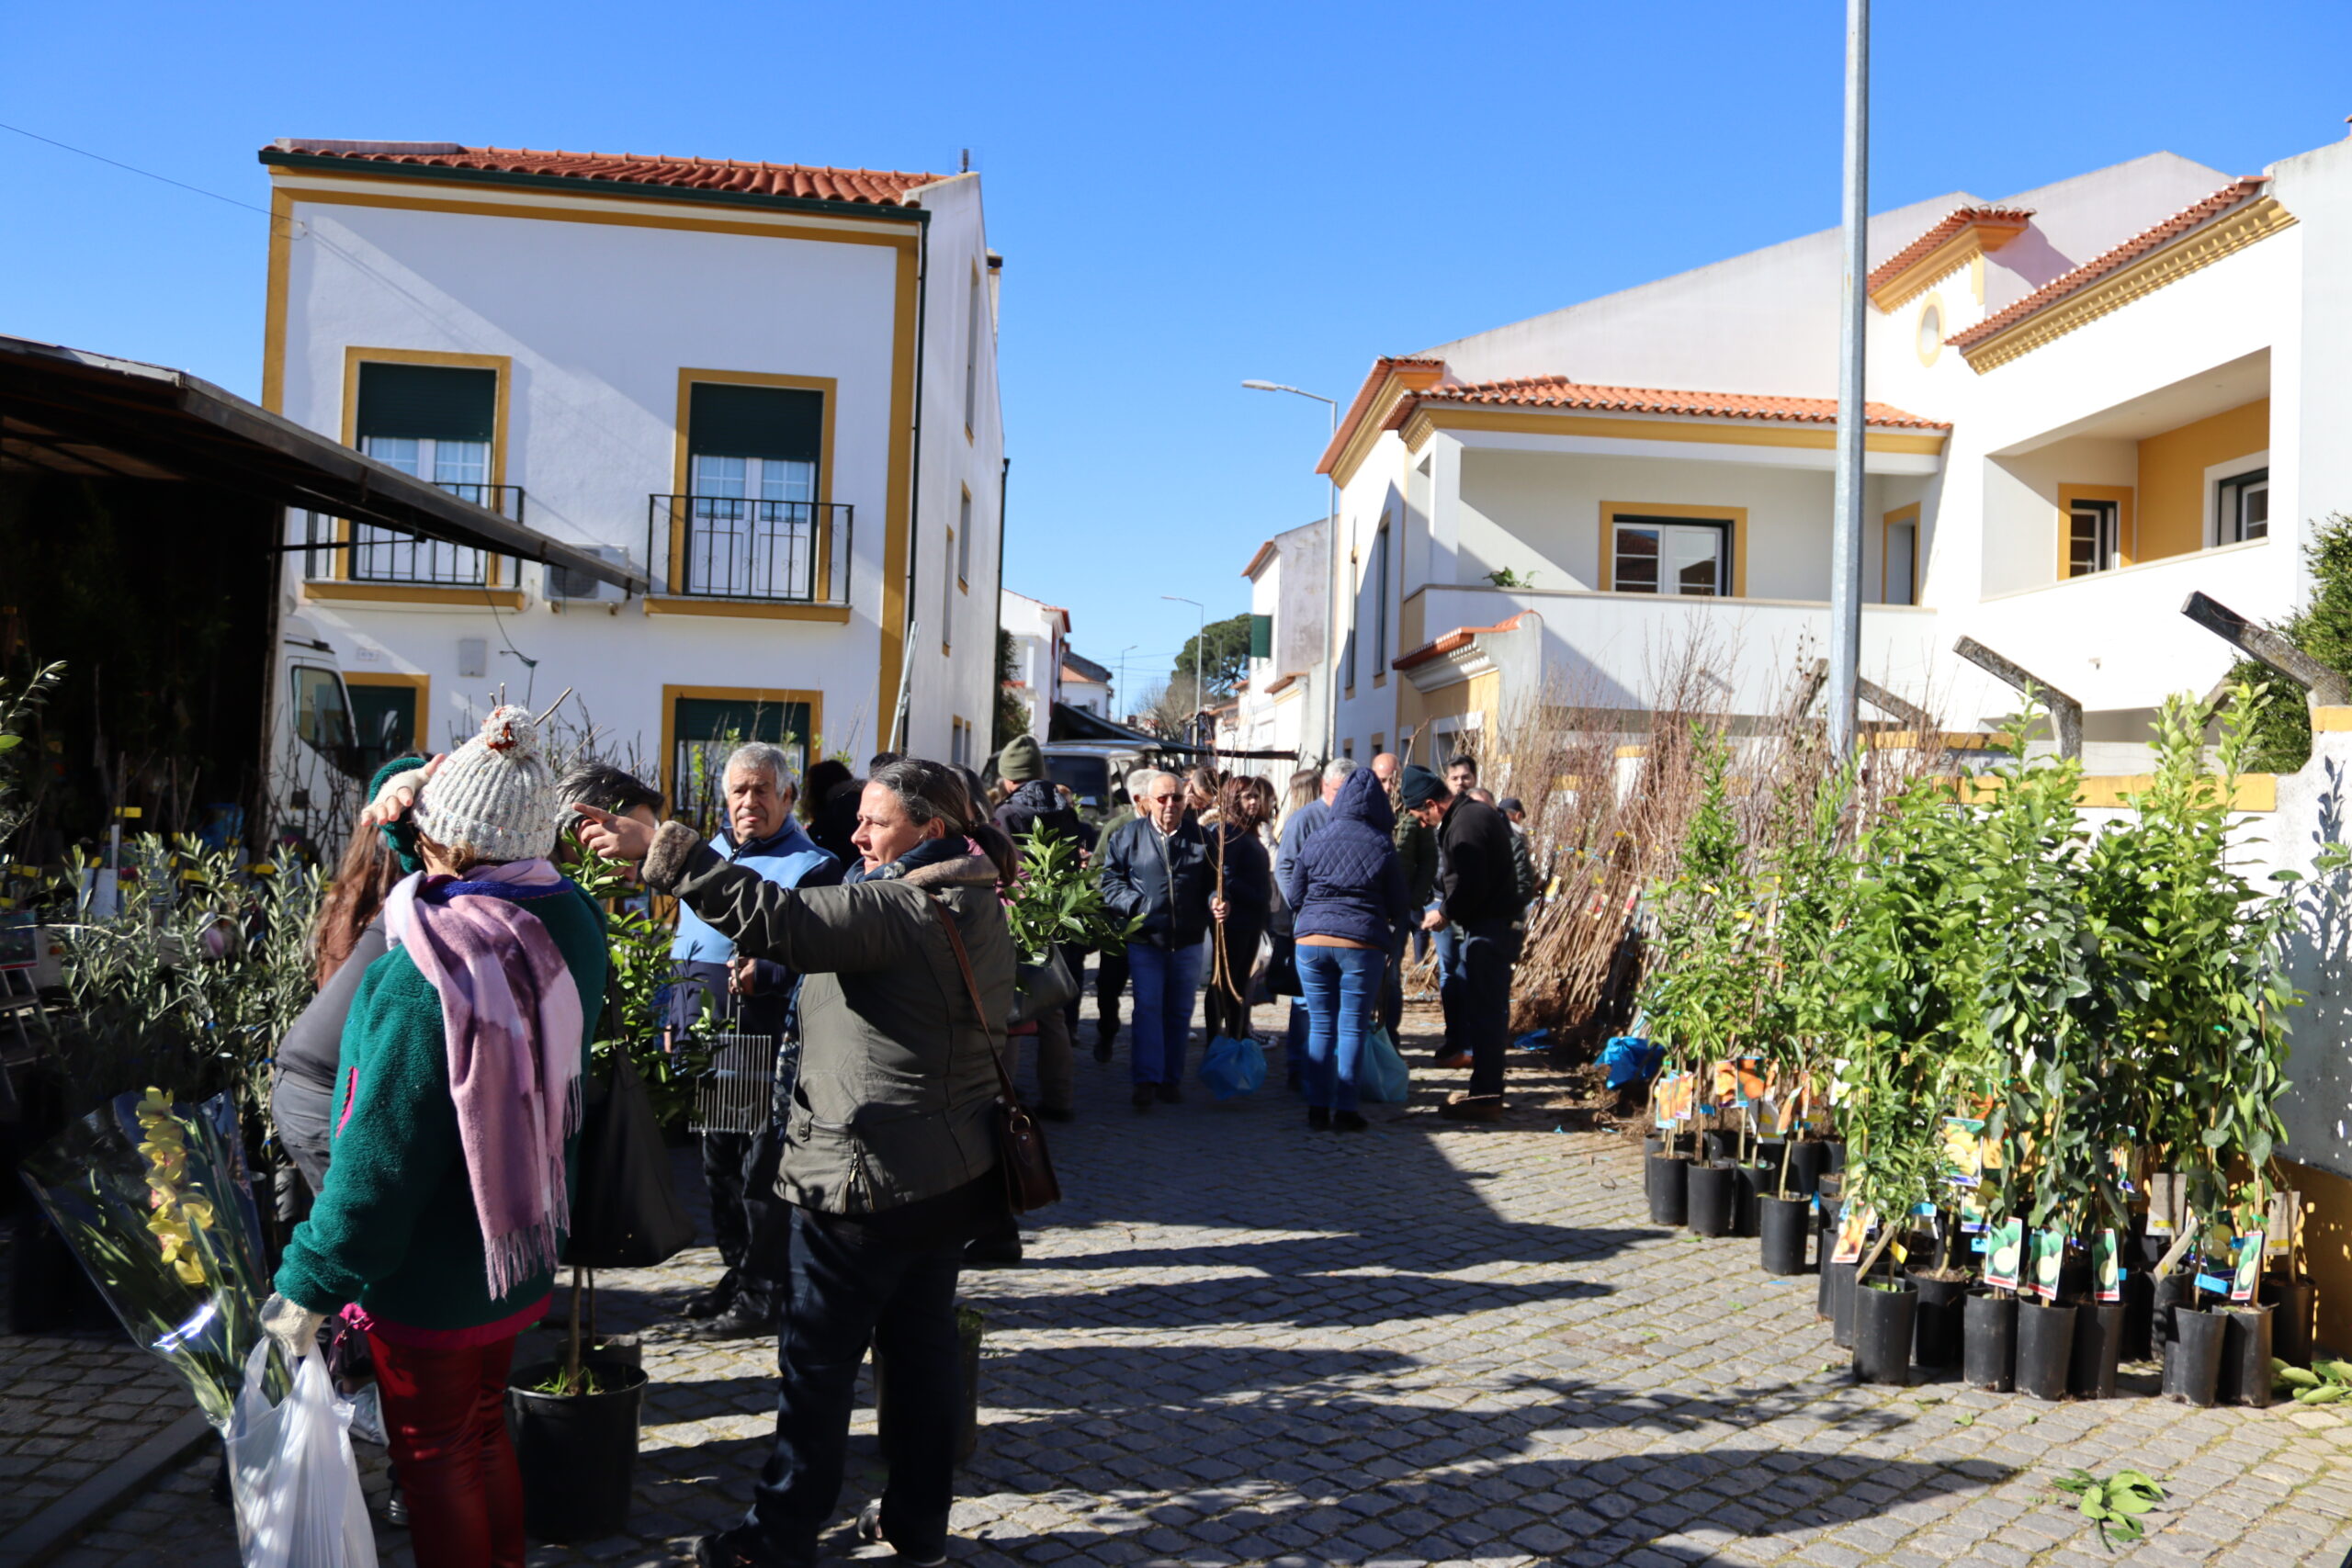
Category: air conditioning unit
[566,586]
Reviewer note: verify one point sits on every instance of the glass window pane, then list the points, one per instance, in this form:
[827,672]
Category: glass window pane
[1696,556]
[1901,543]
[1636,562]
[399,451]
[782,479]
[461,462]
[718,476]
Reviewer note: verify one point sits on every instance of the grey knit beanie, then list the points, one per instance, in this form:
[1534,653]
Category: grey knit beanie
[494,797]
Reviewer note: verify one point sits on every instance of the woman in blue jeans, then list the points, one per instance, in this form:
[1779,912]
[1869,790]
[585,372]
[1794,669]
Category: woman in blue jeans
[1346,889]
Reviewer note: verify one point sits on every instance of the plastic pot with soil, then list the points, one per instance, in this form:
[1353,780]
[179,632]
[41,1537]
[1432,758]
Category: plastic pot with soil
[1883,1314]
[1988,1348]
[2193,1359]
[2246,1336]
[2099,1348]
[1837,1278]
[2045,1348]
[1807,1158]
[2292,1303]
[1782,1225]
[1666,1179]
[575,1422]
[1937,1326]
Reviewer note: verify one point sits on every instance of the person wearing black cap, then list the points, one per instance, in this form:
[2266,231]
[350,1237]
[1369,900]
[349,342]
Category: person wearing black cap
[1478,900]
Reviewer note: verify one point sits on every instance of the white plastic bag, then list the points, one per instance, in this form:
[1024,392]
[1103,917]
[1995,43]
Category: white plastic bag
[297,1484]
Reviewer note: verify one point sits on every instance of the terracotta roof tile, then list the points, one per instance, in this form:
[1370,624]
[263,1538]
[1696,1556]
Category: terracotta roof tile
[1557,392]
[809,182]
[1460,637]
[1375,379]
[2233,195]
[2005,218]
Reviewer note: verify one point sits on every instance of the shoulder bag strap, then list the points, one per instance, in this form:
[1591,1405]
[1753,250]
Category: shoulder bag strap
[972,989]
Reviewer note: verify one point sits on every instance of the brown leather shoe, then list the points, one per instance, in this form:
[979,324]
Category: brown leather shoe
[1472,1108]
[1454,1060]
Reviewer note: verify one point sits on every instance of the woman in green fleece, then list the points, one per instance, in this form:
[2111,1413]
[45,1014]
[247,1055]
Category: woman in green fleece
[455,1115]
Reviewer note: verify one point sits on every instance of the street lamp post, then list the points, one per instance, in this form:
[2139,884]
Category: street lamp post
[1846,535]
[1330,572]
[1200,652]
[1123,678]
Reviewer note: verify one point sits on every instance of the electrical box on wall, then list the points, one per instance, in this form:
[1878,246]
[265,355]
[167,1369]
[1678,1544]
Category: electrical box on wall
[473,658]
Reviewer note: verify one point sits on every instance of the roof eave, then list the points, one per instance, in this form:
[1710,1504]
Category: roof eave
[633,190]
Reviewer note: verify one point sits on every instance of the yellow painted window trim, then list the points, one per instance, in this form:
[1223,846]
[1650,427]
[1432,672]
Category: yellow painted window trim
[414,593]
[420,684]
[355,356]
[1935,350]
[681,472]
[1612,510]
[1910,514]
[2127,526]
[759,695]
[745,609]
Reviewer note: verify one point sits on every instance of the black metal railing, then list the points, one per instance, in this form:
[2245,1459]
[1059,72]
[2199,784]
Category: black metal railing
[371,553]
[716,546]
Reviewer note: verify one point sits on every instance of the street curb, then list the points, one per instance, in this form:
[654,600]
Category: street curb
[60,1524]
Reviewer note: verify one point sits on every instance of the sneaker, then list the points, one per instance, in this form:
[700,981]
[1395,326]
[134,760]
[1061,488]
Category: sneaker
[1172,1094]
[741,1321]
[1349,1122]
[1462,1107]
[1454,1060]
[1318,1117]
[993,1252]
[869,1529]
[1145,1096]
[729,1549]
[714,1302]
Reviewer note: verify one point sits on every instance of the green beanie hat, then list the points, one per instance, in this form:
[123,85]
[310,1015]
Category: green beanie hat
[1022,760]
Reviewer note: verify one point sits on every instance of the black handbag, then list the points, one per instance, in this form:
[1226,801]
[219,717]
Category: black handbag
[1029,1180]
[1039,989]
[625,1207]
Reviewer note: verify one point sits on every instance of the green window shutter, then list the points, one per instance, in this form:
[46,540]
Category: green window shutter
[1261,637]
[728,420]
[444,402]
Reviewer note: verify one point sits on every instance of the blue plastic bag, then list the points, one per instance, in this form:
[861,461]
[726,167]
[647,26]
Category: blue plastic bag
[1233,1067]
[1382,1078]
[1631,1059]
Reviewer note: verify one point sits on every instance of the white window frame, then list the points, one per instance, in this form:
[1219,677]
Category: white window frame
[447,561]
[2214,474]
[2108,550]
[1722,529]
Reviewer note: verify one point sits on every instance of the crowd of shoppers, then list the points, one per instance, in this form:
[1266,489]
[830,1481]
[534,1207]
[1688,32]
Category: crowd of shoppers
[454,952]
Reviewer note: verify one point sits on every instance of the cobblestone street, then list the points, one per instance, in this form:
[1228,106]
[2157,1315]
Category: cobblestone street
[1237,1341]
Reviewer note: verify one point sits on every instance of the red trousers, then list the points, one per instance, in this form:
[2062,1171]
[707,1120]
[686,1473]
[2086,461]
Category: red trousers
[445,1413]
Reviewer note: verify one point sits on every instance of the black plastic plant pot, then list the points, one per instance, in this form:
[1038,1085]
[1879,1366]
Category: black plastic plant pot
[1935,1327]
[578,1453]
[2165,1301]
[1755,1181]
[1668,1180]
[1722,1142]
[2139,1316]
[1838,1278]
[2292,1303]
[2099,1347]
[1771,1152]
[1655,1144]
[1783,1225]
[1714,1207]
[1884,1317]
[1807,1159]
[1988,1342]
[2045,1349]
[1833,1154]
[2246,1356]
[2193,1362]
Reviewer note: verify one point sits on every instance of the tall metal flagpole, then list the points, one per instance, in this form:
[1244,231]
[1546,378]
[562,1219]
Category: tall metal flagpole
[1846,547]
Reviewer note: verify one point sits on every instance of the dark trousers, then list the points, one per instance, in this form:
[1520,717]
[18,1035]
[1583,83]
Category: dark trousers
[1074,955]
[1391,990]
[747,1220]
[1482,1011]
[444,1412]
[846,1286]
[1224,1013]
[1110,980]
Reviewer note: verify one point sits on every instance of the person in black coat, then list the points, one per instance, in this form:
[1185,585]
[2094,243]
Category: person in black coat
[1244,806]
[1036,809]
[829,802]
[1478,900]
[1157,867]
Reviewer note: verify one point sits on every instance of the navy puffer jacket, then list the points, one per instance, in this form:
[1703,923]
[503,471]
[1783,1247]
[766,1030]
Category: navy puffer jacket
[1347,882]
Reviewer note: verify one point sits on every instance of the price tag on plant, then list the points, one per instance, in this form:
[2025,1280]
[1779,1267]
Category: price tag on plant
[2004,1254]
[2107,1266]
[2049,1260]
[2249,1270]
[1855,1224]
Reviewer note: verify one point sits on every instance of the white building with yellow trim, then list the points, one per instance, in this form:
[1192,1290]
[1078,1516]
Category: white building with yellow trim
[2086,401]
[770,389]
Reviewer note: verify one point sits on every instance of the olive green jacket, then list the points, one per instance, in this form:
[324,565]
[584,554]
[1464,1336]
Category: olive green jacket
[897,1077]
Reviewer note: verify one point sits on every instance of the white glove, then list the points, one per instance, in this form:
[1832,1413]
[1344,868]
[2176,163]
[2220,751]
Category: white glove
[292,1325]
[400,794]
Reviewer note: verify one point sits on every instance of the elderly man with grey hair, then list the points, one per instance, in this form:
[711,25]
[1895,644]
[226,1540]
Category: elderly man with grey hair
[746,996]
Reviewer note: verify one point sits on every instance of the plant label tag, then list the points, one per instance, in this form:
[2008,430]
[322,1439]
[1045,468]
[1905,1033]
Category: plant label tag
[1854,1226]
[2286,1210]
[2048,1257]
[2248,1274]
[1976,1242]
[2107,1266]
[1963,1151]
[2216,1283]
[2005,1254]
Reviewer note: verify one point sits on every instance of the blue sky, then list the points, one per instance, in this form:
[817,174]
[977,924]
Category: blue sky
[1187,197]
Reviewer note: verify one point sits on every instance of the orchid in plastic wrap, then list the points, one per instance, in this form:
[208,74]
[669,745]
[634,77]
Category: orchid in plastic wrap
[156,1201]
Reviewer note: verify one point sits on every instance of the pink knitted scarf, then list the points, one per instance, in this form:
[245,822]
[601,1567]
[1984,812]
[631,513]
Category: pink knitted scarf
[511,1015]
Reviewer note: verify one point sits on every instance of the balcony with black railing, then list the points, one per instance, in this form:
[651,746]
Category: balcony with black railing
[372,554]
[761,552]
